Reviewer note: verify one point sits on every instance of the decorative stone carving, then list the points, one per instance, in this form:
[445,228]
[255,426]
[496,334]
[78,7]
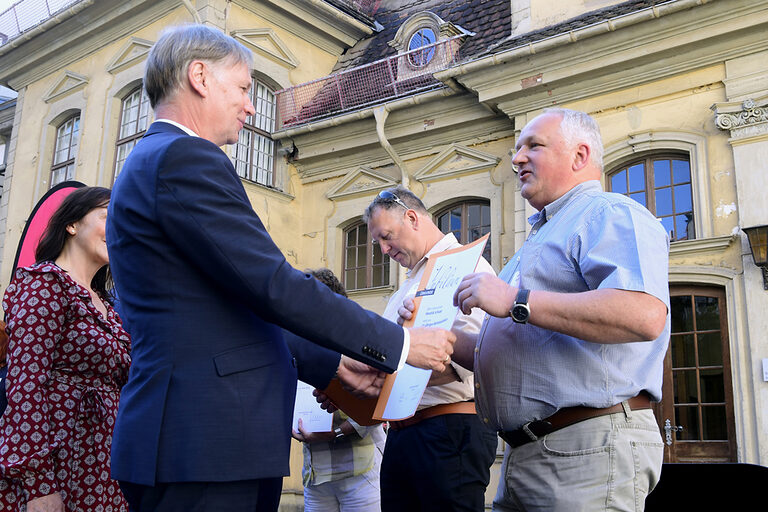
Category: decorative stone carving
[751,114]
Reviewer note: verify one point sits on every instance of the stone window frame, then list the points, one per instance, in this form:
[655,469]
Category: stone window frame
[369,267]
[72,147]
[693,144]
[256,131]
[134,135]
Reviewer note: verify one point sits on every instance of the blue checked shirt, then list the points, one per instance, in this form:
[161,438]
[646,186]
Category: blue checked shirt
[585,240]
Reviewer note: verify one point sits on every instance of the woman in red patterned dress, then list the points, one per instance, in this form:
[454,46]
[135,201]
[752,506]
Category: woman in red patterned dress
[68,357]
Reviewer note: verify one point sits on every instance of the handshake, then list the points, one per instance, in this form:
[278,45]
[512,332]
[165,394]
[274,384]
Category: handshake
[430,348]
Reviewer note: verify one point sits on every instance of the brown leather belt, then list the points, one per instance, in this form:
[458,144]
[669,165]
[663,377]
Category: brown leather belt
[431,412]
[566,417]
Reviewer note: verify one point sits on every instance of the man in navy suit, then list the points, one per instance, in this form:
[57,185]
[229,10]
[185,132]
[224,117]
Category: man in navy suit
[204,420]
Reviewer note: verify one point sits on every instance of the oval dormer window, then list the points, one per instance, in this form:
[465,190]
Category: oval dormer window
[420,47]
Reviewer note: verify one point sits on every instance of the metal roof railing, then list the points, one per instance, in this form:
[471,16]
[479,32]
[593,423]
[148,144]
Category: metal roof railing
[27,14]
[378,82]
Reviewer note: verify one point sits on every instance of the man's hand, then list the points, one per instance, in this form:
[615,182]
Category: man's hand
[431,348]
[324,401]
[360,379]
[49,503]
[312,437]
[405,312]
[487,292]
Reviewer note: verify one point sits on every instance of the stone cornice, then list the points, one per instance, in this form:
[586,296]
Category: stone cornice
[314,21]
[616,54]
[70,39]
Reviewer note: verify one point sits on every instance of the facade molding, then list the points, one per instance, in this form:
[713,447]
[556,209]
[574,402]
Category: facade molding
[68,83]
[363,180]
[267,43]
[454,161]
[747,121]
[132,52]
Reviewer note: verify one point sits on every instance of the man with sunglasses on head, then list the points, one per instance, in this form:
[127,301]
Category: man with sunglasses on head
[440,458]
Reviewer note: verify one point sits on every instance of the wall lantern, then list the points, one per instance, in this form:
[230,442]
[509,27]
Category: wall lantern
[758,243]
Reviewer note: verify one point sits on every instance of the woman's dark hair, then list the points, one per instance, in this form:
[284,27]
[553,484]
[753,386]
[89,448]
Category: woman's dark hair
[74,207]
[329,279]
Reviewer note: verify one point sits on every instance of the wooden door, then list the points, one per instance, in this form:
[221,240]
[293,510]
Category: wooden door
[696,413]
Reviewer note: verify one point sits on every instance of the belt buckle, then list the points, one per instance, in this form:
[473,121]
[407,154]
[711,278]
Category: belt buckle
[528,432]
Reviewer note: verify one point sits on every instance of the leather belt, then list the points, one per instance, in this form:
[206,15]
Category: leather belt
[566,417]
[431,412]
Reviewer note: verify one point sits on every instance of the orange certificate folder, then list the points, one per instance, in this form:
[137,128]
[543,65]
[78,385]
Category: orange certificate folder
[441,277]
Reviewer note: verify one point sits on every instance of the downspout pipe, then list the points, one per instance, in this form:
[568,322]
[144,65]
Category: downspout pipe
[381,113]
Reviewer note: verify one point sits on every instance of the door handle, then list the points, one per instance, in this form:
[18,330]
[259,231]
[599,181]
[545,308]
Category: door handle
[668,429]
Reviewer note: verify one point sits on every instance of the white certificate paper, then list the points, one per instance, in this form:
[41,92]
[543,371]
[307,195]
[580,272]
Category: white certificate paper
[313,417]
[434,308]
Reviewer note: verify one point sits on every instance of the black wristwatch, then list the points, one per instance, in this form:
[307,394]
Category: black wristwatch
[520,311]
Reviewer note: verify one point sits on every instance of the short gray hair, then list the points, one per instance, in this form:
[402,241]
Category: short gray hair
[579,127]
[406,196]
[178,46]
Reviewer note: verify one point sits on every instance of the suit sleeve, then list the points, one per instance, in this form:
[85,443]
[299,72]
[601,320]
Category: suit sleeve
[315,365]
[202,207]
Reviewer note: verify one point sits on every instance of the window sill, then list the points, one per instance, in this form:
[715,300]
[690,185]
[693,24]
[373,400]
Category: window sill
[712,244]
[255,186]
[376,290]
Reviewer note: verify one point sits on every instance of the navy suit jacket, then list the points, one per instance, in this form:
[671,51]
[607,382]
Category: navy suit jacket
[205,294]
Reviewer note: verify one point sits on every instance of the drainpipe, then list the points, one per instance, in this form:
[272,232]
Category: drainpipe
[381,113]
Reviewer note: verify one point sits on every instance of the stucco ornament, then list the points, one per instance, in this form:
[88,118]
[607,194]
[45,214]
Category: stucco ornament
[749,115]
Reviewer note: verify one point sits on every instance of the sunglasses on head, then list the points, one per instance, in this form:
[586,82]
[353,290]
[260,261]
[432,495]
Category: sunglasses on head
[386,195]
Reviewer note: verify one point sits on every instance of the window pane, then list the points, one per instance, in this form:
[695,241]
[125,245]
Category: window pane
[683,350]
[351,235]
[663,202]
[473,215]
[714,423]
[351,260]
[688,418]
[684,384]
[360,279]
[710,349]
[683,199]
[639,197]
[681,309]
[362,235]
[712,389]
[681,169]
[684,227]
[456,220]
[636,178]
[349,279]
[707,313]
[443,222]
[619,182]
[661,173]
[669,226]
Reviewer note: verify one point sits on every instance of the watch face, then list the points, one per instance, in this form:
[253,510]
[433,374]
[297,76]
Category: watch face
[520,313]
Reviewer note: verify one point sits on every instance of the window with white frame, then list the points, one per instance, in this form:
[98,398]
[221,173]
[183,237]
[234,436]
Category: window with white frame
[255,150]
[65,149]
[135,116]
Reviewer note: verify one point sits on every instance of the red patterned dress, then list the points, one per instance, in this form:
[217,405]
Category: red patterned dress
[66,365]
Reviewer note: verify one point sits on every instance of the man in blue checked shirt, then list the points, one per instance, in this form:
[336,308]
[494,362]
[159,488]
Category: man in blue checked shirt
[570,357]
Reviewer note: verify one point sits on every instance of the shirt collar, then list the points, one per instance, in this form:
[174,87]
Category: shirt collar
[447,242]
[558,204]
[179,126]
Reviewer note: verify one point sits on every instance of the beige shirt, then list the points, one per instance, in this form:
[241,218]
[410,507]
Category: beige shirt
[463,389]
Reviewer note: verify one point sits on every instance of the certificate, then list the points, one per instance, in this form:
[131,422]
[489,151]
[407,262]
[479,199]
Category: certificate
[402,391]
[313,417]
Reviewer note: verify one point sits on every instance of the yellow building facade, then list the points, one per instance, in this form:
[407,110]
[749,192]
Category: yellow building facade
[679,89]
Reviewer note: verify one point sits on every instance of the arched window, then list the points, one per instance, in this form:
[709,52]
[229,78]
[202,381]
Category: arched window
[255,150]
[65,149]
[135,116]
[468,221]
[364,264]
[661,183]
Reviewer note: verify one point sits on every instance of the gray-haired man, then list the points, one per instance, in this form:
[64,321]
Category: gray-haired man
[572,354]
[204,420]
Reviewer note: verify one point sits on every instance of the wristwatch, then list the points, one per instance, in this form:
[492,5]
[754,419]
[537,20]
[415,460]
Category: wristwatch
[520,311]
[338,433]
